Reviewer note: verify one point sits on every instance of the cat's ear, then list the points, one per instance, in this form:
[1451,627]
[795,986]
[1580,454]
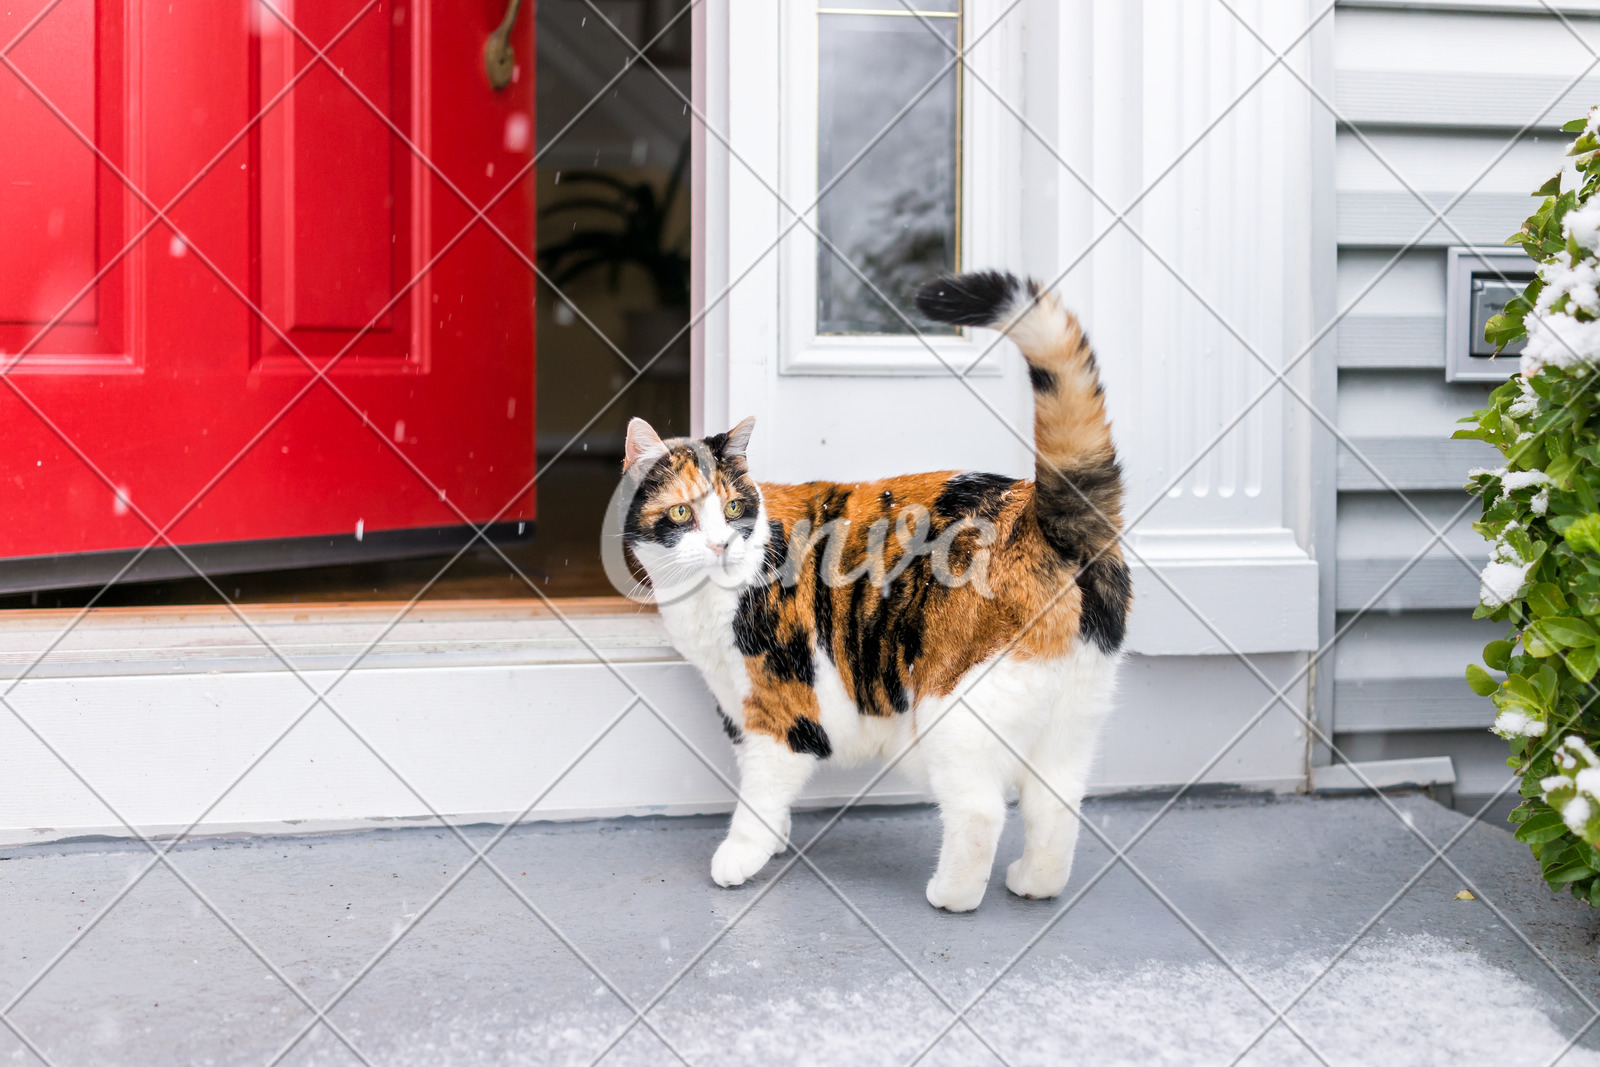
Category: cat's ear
[642,442]
[739,438]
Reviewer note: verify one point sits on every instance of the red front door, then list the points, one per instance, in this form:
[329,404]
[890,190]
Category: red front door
[162,370]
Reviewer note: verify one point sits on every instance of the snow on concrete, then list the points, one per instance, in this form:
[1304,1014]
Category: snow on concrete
[1416,1000]
[1277,884]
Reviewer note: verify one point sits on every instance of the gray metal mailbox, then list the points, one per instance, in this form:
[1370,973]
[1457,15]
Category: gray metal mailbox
[1479,282]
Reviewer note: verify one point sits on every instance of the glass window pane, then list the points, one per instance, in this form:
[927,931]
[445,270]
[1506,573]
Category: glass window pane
[894,212]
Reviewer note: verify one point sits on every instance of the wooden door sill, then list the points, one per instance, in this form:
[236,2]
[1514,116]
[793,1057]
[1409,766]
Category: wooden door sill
[431,634]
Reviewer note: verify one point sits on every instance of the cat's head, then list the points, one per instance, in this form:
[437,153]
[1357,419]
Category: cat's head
[691,511]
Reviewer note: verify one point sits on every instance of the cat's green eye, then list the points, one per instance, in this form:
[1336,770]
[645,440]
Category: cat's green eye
[733,509]
[678,513]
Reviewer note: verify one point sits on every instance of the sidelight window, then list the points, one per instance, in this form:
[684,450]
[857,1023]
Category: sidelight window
[888,161]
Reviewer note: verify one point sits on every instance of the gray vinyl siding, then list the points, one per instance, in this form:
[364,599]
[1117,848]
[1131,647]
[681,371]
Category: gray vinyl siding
[1438,89]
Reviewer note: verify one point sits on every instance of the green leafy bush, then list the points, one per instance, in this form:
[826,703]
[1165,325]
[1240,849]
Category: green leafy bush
[1541,511]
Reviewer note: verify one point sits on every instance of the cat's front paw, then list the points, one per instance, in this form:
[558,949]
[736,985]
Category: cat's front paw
[954,895]
[1030,882]
[736,860]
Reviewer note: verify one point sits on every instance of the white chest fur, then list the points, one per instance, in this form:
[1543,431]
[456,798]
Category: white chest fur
[701,628]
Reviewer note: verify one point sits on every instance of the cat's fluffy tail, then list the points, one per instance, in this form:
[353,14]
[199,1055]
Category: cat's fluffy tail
[1078,494]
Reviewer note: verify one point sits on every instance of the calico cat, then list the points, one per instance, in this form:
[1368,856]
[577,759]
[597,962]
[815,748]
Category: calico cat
[929,612]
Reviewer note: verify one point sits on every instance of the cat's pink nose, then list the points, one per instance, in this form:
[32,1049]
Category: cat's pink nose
[717,547]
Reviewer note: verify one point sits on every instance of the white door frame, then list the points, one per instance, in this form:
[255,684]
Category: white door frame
[1231,535]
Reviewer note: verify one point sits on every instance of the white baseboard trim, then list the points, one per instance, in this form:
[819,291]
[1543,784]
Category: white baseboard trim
[480,707]
[12,837]
[1385,774]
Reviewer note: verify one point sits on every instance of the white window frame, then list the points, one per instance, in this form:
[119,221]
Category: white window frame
[989,201]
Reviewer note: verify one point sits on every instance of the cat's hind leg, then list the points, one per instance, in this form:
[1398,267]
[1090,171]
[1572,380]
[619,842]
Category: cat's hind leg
[1052,785]
[966,770]
[771,776]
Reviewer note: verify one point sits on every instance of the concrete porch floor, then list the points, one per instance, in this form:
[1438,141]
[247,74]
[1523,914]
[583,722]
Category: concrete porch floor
[1276,885]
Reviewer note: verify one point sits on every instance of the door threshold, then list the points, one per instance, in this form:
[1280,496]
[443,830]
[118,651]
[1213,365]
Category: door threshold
[504,607]
[337,636]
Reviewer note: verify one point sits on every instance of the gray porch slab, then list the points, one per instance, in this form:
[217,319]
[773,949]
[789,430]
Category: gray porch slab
[1272,888]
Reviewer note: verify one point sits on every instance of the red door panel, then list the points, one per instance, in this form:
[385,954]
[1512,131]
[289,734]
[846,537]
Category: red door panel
[52,206]
[61,218]
[338,217]
[323,215]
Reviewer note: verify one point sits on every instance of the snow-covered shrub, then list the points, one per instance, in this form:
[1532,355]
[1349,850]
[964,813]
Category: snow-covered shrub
[1541,511]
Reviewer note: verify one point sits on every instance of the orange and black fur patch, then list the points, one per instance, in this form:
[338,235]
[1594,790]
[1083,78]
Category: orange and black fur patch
[905,584]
